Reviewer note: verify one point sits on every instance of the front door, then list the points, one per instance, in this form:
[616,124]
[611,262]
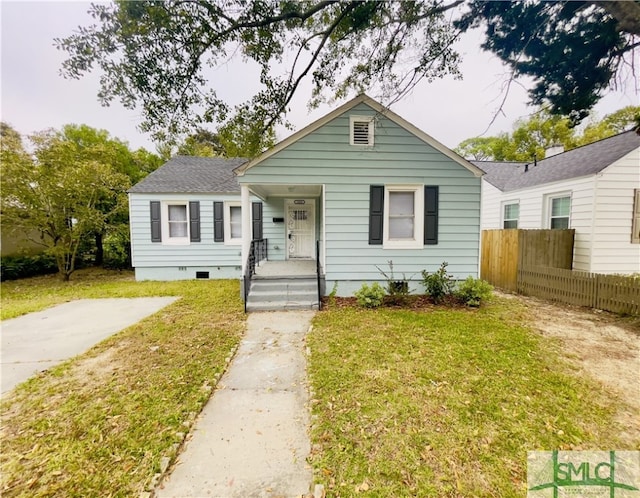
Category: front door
[301,228]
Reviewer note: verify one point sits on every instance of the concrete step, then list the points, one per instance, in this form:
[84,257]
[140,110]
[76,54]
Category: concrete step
[283,294]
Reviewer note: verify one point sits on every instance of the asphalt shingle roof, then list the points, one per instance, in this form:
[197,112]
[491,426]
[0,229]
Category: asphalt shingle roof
[582,161]
[187,174]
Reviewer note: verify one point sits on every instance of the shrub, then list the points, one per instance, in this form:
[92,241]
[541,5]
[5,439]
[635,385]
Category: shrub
[397,288]
[370,297]
[474,290]
[15,267]
[438,284]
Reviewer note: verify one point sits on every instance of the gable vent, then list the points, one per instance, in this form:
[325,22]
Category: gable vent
[361,131]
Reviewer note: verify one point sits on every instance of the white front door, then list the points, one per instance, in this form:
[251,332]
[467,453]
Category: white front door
[301,228]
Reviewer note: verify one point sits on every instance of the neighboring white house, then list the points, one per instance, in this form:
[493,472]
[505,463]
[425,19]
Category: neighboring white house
[361,186]
[594,189]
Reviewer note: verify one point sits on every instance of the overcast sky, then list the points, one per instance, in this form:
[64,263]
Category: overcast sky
[34,96]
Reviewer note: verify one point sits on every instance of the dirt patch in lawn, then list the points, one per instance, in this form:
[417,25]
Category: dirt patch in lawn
[603,345]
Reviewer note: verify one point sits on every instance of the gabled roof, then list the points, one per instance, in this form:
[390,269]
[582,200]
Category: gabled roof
[575,163]
[186,174]
[376,106]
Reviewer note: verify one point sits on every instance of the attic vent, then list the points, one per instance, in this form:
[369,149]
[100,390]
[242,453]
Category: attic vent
[361,130]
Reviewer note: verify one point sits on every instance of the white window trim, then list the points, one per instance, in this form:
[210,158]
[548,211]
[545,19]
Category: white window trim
[228,241]
[418,221]
[174,241]
[502,208]
[548,204]
[371,121]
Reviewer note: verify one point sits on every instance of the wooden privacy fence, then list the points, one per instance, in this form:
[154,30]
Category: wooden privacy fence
[505,251]
[618,294]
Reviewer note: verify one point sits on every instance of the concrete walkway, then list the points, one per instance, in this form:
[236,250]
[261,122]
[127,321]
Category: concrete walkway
[251,439]
[38,341]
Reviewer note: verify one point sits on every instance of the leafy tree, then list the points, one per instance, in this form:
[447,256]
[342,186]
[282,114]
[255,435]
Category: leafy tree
[237,138]
[572,50]
[531,137]
[154,54]
[612,124]
[60,196]
[86,144]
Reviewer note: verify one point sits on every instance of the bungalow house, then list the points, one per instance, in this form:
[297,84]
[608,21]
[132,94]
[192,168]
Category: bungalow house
[594,189]
[351,192]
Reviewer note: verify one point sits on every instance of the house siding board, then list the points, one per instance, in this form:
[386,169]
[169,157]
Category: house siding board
[491,206]
[325,157]
[613,250]
[203,254]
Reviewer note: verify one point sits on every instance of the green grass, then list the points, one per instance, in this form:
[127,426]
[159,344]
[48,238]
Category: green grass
[99,424]
[443,403]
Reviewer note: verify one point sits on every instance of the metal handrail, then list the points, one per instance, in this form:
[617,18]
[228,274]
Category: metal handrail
[257,253]
[318,273]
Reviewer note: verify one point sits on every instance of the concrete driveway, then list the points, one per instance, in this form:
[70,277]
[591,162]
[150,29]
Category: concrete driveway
[38,341]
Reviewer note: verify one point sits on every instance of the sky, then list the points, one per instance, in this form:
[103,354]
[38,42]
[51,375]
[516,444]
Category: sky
[33,95]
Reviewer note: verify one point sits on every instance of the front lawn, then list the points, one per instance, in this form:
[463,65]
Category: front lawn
[100,424]
[444,402]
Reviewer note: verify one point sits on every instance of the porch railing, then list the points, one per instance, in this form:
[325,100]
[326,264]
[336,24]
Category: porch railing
[318,270]
[257,253]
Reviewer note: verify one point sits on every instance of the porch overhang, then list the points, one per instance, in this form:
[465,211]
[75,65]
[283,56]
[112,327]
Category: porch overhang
[266,191]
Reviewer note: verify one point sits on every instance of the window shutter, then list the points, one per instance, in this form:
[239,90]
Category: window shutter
[156,232]
[635,222]
[256,220]
[194,221]
[376,214]
[218,221]
[430,215]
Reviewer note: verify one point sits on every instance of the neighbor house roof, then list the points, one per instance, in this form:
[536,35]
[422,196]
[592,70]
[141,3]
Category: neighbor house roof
[376,106]
[185,174]
[582,161]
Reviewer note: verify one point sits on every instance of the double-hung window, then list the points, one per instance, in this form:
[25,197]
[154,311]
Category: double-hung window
[404,216]
[559,211]
[510,215]
[175,217]
[233,223]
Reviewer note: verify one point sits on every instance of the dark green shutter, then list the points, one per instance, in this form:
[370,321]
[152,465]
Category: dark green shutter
[430,215]
[256,220]
[376,214]
[194,221]
[218,222]
[156,231]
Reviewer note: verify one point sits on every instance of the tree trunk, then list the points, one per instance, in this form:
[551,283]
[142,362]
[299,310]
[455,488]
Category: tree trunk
[99,250]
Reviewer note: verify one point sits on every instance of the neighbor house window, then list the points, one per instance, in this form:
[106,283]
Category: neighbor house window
[233,223]
[361,130]
[404,216]
[510,215]
[635,221]
[559,211]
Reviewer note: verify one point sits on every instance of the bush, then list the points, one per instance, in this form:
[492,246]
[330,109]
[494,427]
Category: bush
[438,284]
[15,267]
[473,291]
[370,297]
[397,288]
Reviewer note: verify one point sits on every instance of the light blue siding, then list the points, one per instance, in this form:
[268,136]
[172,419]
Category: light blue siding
[158,261]
[324,157]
